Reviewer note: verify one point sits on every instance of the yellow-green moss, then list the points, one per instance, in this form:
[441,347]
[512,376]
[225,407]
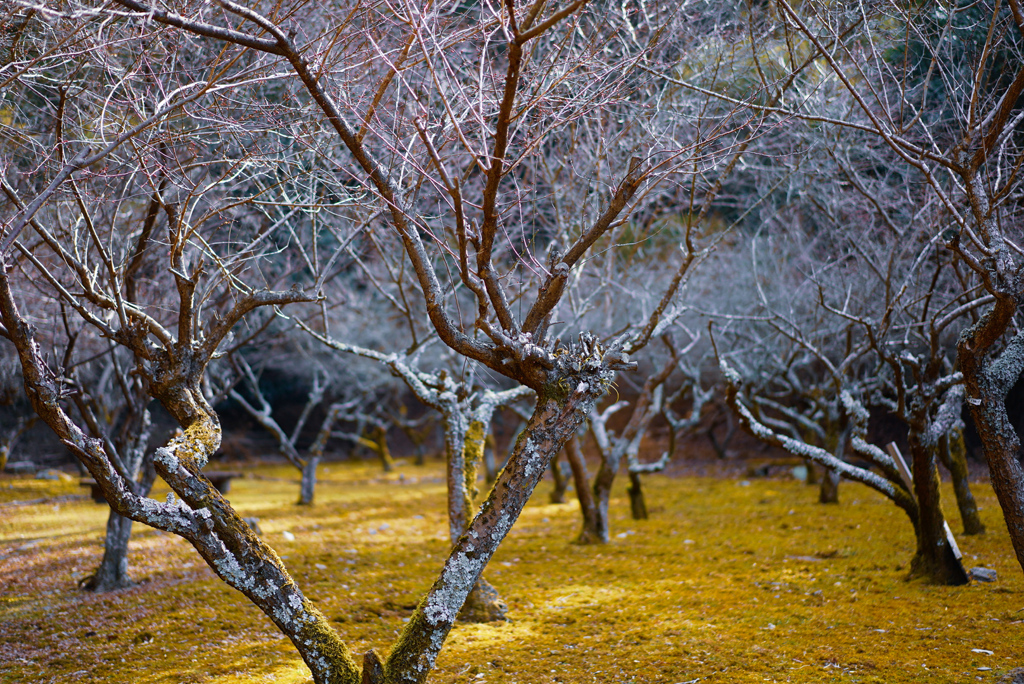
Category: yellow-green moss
[739,603]
[333,648]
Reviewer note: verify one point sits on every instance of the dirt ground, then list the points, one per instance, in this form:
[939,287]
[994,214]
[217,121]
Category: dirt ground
[730,580]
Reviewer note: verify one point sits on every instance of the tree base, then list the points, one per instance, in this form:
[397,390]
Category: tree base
[483,604]
[99,585]
[589,536]
[946,569]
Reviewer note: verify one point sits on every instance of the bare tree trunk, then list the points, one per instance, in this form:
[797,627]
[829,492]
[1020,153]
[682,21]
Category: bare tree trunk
[953,455]
[307,489]
[464,443]
[561,477]
[581,481]
[987,385]
[602,493]
[554,421]
[113,570]
[637,505]
[380,434]
[828,493]
[935,559]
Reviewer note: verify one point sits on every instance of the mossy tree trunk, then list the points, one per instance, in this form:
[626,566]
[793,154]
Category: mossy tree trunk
[123,425]
[196,511]
[490,456]
[380,440]
[554,421]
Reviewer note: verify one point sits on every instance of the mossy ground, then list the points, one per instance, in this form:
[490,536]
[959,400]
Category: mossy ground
[726,582]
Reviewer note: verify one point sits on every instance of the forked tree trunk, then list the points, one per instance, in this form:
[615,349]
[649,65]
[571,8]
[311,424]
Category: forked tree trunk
[953,455]
[307,490]
[935,559]
[581,481]
[113,570]
[555,419]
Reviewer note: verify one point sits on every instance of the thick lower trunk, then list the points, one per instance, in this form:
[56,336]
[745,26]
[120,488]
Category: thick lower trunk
[113,570]
[954,456]
[1001,446]
[554,421]
[581,481]
[637,505]
[307,490]
[935,560]
[561,478]
[987,383]
[828,493]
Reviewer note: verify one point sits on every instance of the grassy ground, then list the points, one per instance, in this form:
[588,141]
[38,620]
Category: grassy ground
[727,582]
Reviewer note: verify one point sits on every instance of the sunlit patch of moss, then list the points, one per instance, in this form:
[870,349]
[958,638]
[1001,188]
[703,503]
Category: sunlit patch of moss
[739,583]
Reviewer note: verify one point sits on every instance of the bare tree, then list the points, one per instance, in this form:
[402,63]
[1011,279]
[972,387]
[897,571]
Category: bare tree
[262,412]
[446,120]
[941,90]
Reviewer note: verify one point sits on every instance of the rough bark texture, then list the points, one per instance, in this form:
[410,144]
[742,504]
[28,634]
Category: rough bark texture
[556,418]
[202,516]
[483,604]
[455,427]
[987,384]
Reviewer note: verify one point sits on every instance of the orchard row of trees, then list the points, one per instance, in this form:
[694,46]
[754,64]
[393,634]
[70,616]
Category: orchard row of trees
[808,209]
